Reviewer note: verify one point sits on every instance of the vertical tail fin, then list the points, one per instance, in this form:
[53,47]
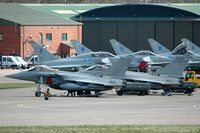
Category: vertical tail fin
[191,46]
[119,48]
[180,49]
[80,48]
[42,53]
[119,66]
[157,47]
[176,67]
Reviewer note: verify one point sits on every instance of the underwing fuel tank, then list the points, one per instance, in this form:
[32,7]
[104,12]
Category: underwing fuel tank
[70,86]
[137,85]
[73,86]
[135,88]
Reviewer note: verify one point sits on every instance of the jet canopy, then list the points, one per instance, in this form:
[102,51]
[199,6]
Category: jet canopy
[145,53]
[96,54]
[42,68]
[96,67]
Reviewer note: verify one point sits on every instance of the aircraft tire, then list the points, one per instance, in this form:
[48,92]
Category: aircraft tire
[88,93]
[120,93]
[141,93]
[97,93]
[38,94]
[163,94]
[169,94]
[80,93]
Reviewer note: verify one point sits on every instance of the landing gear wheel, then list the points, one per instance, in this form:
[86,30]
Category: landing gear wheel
[141,93]
[163,94]
[189,92]
[80,93]
[169,94]
[97,93]
[87,93]
[120,93]
[38,94]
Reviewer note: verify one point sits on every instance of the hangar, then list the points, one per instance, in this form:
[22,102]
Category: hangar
[133,24]
[95,24]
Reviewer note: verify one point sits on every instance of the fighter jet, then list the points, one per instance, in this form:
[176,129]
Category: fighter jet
[83,60]
[82,49]
[167,78]
[154,60]
[180,49]
[82,82]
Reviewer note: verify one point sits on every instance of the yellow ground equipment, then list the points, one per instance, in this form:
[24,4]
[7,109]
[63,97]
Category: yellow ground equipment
[191,76]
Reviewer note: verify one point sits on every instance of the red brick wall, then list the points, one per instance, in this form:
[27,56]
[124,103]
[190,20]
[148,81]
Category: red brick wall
[11,40]
[74,32]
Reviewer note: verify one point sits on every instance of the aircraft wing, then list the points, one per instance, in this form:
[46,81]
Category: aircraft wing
[145,77]
[158,63]
[67,63]
[68,66]
[103,80]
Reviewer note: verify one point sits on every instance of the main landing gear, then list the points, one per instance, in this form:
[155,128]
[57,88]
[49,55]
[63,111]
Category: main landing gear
[38,90]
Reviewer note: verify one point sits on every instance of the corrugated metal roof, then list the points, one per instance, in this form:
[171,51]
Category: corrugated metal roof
[24,15]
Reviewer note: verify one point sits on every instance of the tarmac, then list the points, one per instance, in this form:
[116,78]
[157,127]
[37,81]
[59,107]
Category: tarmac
[19,107]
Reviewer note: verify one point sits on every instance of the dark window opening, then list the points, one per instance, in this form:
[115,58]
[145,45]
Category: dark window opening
[48,36]
[64,37]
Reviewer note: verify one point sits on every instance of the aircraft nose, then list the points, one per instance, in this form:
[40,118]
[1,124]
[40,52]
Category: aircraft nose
[14,76]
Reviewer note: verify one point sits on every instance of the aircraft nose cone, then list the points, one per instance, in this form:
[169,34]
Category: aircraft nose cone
[14,76]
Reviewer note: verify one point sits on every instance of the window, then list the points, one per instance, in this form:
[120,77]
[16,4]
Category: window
[9,59]
[4,58]
[1,36]
[64,37]
[48,36]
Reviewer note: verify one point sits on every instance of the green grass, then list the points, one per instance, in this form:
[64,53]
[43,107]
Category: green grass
[104,129]
[16,85]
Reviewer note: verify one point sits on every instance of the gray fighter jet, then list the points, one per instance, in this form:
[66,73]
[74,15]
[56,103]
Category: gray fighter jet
[180,49]
[168,78]
[83,60]
[82,82]
[82,49]
[151,58]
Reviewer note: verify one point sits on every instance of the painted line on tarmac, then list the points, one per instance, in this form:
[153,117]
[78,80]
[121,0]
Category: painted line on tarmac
[23,106]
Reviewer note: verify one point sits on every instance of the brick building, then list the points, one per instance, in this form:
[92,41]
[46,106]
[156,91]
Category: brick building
[19,23]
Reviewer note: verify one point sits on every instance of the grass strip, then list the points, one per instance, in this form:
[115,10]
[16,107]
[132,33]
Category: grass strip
[16,85]
[104,129]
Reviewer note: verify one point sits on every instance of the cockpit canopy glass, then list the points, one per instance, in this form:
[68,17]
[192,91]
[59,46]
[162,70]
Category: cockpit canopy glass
[42,68]
[145,53]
